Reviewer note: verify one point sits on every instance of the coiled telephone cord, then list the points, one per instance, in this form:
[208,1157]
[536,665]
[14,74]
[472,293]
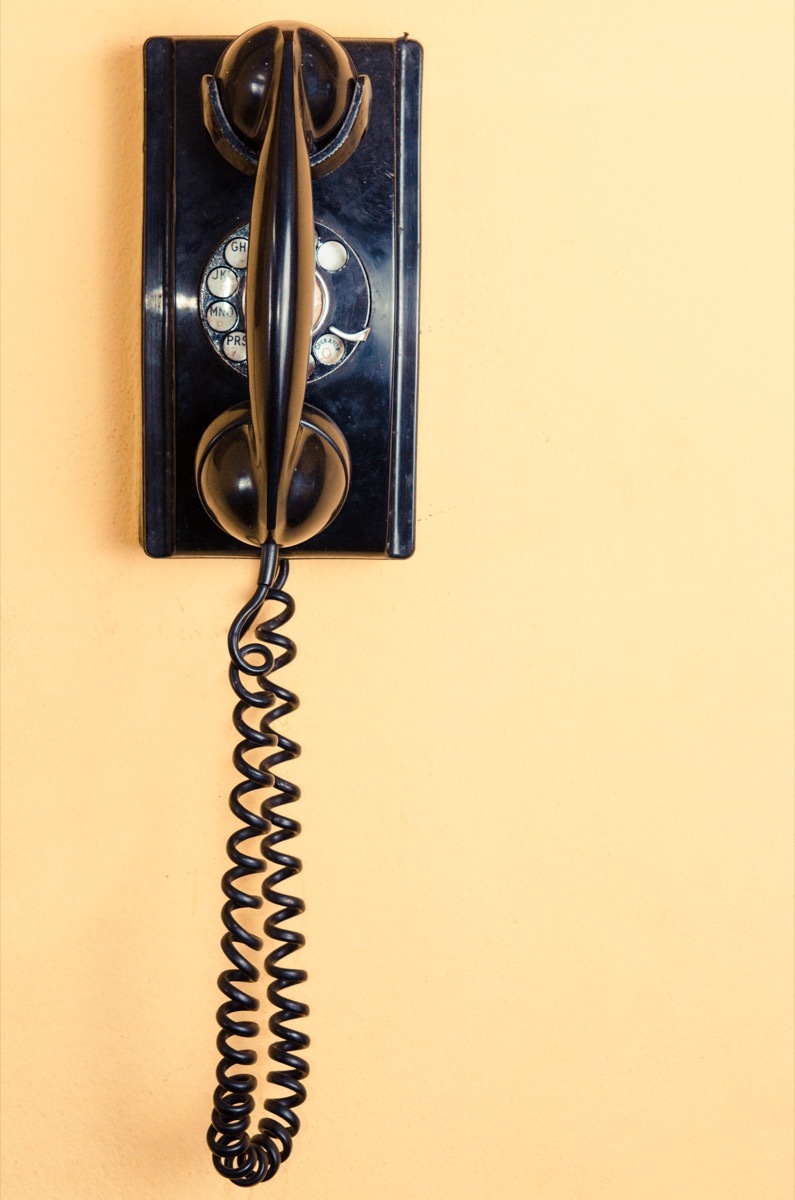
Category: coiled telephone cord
[238,1156]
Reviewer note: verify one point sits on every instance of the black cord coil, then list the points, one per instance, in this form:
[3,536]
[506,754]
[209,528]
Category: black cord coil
[238,1156]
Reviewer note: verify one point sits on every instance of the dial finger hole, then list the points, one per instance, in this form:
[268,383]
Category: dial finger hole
[328,349]
[221,316]
[222,282]
[332,256]
[236,253]
[234,346]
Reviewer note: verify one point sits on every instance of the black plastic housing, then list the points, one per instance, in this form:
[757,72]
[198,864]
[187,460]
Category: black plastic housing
[193,199]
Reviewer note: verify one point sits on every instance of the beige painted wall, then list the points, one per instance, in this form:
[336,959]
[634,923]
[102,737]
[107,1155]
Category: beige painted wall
[547,767]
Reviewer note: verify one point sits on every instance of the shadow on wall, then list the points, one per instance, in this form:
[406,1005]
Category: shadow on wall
[121,150]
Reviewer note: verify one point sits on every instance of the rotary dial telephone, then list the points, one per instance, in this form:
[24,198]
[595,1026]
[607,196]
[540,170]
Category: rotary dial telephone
[281,255]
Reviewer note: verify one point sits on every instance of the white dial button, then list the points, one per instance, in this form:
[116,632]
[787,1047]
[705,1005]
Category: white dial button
[236,252]
[234,346]
[331,256]
[222,282]
[328,349]
[221,315]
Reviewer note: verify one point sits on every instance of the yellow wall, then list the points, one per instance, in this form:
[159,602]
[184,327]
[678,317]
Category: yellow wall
[547,767]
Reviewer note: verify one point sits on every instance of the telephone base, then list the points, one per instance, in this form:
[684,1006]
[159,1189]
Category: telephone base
[196,204]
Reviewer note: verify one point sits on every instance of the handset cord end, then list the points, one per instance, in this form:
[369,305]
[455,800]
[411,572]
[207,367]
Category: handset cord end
[268,563]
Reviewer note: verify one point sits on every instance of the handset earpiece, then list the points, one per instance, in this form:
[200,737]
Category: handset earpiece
[338,120]
[285,99]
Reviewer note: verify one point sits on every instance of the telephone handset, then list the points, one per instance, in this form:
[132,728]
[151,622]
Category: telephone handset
[280,329]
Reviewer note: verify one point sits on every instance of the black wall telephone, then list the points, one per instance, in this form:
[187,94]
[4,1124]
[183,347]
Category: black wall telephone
[281,253]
